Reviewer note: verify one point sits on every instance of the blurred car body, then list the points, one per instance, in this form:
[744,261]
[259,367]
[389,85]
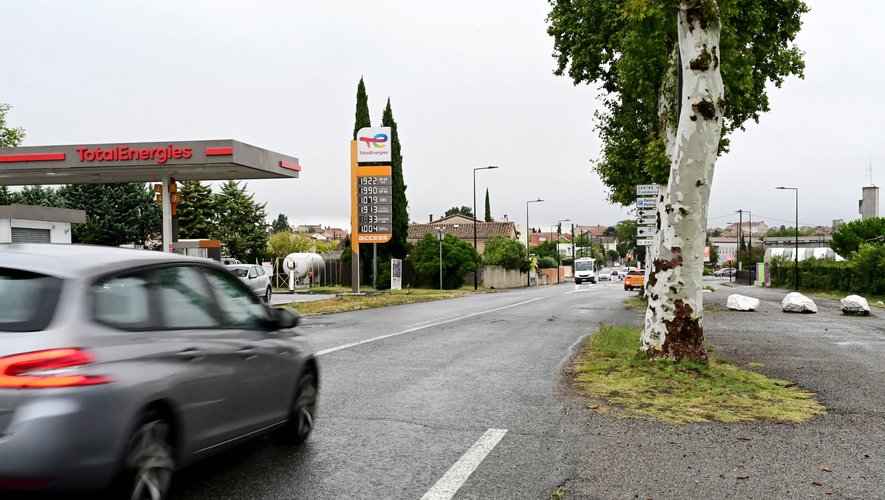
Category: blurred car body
[634,279]
[254,277]
[725,271]
[605,274]
[118,367]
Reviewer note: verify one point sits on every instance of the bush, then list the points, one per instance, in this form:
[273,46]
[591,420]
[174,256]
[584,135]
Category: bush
[505,252]
[458,258]
[547,263]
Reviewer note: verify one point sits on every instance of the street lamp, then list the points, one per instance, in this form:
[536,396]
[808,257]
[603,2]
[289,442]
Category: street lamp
[558,232]
[439,236]
[796,252]
[476,268]
[528,236]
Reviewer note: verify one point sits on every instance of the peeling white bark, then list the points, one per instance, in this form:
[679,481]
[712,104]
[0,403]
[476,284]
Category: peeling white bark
[674,283]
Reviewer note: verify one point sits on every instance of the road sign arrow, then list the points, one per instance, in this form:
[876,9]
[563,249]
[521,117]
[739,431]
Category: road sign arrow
[645,221]
[645,231]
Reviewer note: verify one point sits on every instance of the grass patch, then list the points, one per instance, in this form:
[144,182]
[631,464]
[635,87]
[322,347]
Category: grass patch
[370,300]
[873,301]
[610,368]
[710,288]
[636,302]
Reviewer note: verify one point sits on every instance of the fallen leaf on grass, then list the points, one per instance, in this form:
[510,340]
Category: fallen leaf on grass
[824,468]
[593,407]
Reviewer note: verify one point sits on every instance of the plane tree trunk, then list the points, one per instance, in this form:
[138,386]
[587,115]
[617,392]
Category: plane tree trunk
[674,287]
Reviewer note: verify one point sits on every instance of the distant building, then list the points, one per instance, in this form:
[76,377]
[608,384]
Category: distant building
[485,231]
[34,224]
[868,206]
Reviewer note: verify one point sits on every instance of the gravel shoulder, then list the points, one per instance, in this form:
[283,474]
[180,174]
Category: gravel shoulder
[837,455]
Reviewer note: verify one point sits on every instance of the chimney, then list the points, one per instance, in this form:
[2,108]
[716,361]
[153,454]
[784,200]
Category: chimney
[431,218]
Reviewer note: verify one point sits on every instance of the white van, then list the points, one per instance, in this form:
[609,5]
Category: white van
[585,270]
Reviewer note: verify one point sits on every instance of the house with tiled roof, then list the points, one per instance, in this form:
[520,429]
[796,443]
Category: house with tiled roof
[485,231]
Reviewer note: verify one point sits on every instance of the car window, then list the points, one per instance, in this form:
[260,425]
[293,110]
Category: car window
[27,300]
[253,273]
[239,305]
[183,299]
[239,271]
[122,302]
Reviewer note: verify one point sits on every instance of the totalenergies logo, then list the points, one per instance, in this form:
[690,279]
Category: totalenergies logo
[377,141]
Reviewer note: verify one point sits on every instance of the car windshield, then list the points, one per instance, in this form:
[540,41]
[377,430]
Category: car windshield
[583,265]
[27,300]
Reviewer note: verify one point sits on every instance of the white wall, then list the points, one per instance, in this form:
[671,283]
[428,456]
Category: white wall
[59,232]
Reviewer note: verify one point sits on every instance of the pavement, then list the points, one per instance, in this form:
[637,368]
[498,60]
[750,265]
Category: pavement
[838,455]
[279,298]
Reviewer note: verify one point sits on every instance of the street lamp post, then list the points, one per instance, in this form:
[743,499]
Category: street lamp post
[796,251]
[476,269]
[439,236]
[558,232]
[528,237]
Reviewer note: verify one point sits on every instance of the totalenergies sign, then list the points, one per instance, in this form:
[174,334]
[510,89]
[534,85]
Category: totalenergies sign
[373,144]
[128,153]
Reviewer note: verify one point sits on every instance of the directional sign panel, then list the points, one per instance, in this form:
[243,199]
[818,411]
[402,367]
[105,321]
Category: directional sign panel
[647,213]
[373,204]
[648,189]
[645,231]
[646,203]
[645,221]
[644,241]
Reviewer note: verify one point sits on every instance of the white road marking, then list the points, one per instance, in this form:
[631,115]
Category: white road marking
[457,475]
[415,329]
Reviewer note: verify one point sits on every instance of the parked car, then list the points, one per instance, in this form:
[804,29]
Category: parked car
[255,278]
[622,272]
[725,271]
[634,279]
[605,274]
[119,367]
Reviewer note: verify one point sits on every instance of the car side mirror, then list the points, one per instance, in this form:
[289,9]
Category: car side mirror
[285,317]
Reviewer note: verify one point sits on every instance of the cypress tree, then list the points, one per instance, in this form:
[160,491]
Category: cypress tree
[196,211]
[488,208]
[362,119]
[396,247]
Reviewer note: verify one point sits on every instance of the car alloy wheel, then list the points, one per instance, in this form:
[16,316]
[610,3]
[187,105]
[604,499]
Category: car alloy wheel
[149,463]
[303,412]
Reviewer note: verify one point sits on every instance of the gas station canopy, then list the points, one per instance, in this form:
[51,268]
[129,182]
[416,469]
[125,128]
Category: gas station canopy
[142,162]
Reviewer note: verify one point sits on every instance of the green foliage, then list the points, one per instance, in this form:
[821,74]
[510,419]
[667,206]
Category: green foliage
[241,223]
[362,118]
[196,211]
[7,197]
[625,48]
[864,274]
[464,210]
[9,137]
[281,223]
[397,246]
[613,255]
[545,249]
[43,196]
[458,258]
[283,243]
[506,252]
[116,214]
[849,237]
[625,231]
[610,231]
[488,208]
[790,231]
[714,254]
[547,263]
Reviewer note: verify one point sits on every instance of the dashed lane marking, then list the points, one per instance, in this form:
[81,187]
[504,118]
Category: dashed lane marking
[457,475]
[415,329]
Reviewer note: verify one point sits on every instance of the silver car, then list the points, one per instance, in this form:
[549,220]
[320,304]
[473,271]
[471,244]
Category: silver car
[254,277]
[118,367]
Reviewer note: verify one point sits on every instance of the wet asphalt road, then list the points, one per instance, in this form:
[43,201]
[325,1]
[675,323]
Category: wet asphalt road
[398,411]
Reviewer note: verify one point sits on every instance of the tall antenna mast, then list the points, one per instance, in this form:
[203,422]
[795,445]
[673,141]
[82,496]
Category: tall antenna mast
[870,170]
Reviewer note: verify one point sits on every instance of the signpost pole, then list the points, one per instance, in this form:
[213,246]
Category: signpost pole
[354,223]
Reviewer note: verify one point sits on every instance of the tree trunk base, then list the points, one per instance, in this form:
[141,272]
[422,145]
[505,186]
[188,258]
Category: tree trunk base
[685,338]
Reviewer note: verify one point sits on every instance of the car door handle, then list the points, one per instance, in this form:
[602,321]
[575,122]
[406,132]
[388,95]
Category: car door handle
[247,352]
[191,354]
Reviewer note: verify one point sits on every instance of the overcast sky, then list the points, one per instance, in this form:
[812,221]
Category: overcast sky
[471,84]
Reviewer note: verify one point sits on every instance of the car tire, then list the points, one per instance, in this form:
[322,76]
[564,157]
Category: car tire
[302,412]
[267,295]
[148,464]
[577,281]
